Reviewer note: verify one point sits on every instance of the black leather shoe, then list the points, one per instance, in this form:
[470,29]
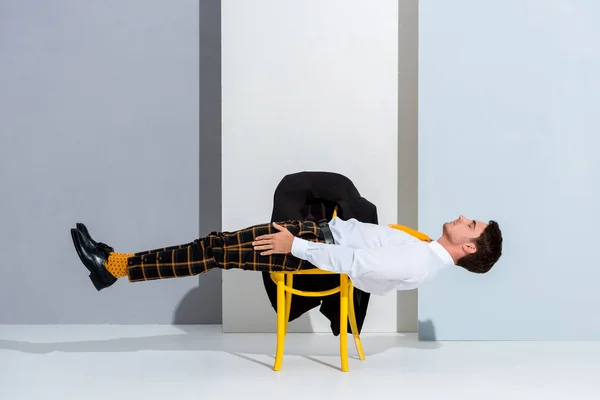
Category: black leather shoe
[93,257]
[83,229]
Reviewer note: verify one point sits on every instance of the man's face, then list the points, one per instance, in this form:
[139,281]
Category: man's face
[463,230]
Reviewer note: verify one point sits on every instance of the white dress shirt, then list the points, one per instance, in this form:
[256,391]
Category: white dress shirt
[377,258]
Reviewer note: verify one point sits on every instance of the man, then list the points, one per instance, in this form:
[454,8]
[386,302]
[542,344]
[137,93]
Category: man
[377,258]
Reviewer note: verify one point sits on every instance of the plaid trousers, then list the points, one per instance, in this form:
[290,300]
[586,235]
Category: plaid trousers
[223,250]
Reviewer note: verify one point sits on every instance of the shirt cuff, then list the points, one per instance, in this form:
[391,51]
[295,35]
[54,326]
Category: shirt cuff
[299,247]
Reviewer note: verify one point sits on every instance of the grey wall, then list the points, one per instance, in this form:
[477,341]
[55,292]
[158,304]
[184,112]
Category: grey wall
[99,123]
[210,287]
[408,177]
[508,130]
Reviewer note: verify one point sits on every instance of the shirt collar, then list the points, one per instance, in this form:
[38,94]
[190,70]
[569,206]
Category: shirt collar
[441,252]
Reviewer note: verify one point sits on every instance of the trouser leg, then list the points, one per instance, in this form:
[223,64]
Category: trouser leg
[225,250]
[176,247]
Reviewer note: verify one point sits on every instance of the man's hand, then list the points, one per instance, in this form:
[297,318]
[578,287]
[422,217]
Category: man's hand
[275,243]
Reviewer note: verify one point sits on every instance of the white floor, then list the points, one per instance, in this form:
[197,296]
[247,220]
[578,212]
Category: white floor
[199,362]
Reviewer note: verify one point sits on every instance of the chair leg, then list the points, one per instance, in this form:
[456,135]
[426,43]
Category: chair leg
[353,324]
[344,321]
[288,300]
[280,281]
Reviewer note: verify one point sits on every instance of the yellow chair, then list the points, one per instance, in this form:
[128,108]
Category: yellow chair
[284,303]
[285,290]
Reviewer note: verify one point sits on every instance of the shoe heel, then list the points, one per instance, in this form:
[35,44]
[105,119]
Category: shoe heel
[97,284]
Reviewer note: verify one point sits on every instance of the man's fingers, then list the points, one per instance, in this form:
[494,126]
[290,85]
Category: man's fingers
[265,247]
[279,227]
[262,241]
[267,253]
[264,237]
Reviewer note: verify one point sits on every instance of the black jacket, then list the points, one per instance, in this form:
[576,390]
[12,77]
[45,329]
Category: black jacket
[313,196]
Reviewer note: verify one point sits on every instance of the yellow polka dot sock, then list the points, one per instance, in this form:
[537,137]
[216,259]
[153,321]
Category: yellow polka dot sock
[117,264]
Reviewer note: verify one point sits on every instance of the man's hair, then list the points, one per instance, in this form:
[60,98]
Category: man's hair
[489,250]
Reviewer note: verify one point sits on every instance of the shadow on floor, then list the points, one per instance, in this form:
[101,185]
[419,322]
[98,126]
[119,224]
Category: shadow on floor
[193,338]
[192,308]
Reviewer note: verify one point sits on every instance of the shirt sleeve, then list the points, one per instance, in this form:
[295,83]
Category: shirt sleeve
[380,262]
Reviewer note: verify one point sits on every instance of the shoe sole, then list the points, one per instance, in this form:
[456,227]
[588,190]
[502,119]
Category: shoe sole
[83,229]
[93,277]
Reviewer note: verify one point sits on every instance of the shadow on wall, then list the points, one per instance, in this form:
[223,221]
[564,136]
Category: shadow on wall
[427,331]
[202,304]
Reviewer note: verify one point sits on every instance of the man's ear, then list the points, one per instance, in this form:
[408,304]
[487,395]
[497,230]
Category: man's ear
[469,248]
